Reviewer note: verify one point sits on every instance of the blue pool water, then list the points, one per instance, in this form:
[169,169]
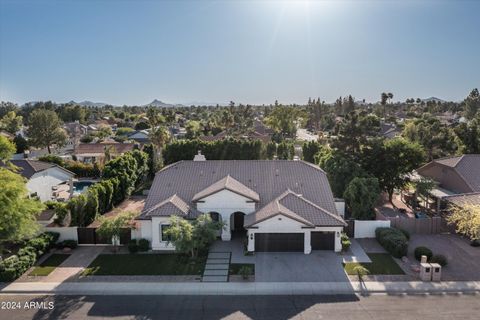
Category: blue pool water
[81,186]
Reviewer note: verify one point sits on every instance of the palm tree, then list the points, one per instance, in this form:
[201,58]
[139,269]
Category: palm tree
[383,102]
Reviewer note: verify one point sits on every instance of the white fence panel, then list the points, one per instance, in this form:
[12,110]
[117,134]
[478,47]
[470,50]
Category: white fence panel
[366,228]
[66,233]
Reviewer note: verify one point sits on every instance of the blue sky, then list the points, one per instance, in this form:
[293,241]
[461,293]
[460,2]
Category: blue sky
[131,52]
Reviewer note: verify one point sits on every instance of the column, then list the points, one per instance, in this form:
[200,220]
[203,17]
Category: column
[226,233]
[251,241]
[307,242]
[338,242]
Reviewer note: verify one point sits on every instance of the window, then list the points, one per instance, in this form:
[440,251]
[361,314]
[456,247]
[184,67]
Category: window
[215,216]
[163,229]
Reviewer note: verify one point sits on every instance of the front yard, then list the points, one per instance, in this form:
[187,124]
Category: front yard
[382,264]
[47,266]
[145,264]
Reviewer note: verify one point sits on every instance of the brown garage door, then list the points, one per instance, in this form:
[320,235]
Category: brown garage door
[279,242]
[323,240]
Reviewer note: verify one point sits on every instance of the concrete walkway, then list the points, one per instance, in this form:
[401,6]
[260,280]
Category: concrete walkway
[235,288]
[217,267]
[356,254]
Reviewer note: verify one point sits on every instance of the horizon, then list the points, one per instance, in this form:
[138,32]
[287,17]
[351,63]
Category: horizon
[250,52]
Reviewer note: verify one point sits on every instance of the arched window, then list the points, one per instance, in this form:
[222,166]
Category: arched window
[215,216]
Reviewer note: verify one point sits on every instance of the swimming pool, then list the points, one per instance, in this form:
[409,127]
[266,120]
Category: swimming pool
[81,186]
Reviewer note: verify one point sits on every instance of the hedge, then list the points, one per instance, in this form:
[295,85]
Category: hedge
[13,267]
[79,168]
[422,251]
[392,240]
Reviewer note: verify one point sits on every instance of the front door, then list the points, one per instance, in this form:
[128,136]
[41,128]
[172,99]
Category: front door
[238,218]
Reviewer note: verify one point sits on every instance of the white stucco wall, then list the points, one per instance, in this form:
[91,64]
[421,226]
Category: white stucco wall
[226,203]
[283,224]
[42,182]
[156,241]
[366,229]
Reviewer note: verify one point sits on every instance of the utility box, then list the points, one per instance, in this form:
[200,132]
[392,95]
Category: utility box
[436,272]
[425,272]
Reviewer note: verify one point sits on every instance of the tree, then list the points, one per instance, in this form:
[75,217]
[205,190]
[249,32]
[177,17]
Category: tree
[383,101]
[390,161]
[361,195]
[340,170]
[112,228]
[472,104]
[466,220]
[309,150]
[45,129]
[21,143]
[468,136]
[7,149]
[192,237]
[11,122]
[423,187]
[193,129]
[283,120]
[18,213]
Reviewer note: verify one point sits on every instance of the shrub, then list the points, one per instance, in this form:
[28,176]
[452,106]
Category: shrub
[346,243]
[143,245]
[72,244]
[132,246]
[405,233]
[8,274]
[393,240]
[440,259]
[245,272]
[475,243]
[423,251]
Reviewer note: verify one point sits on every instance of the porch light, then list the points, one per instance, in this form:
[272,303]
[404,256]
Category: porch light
[338,234]
[251,236]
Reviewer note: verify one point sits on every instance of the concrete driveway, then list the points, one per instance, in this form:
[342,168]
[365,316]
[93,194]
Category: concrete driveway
[319,266]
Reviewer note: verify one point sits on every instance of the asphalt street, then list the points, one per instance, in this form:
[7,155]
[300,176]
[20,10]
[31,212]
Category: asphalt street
[425,307]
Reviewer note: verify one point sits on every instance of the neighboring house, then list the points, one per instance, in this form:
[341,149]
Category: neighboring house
[44,179]
[93,152]
[7,135]
[459,175]
[389,130]
[277,205]
[140,136]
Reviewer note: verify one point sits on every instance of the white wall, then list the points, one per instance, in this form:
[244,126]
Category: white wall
[366,228]
[340,206]
[42,182]
[66,233]
[226,203]
[156,241]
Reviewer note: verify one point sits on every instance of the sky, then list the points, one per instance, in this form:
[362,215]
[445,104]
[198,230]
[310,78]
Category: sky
[131,52]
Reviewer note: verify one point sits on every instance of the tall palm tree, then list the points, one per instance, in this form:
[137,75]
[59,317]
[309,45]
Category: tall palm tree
[383,102]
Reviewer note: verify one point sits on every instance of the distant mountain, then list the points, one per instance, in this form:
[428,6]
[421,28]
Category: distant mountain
[88,103]
[160,104]
[436,100]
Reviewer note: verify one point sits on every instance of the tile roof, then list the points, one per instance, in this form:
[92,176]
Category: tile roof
[268,178]
[174,205]
[465,199]
[296,207]
[227,183]
[99,148]
[29,167]
[467,166]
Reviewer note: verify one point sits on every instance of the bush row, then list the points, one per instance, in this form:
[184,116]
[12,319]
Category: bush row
[79,168]
[142,245]
[432,258]
[393,240]
[13,267]
[121,176]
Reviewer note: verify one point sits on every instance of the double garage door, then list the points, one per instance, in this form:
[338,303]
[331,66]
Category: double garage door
[292,242]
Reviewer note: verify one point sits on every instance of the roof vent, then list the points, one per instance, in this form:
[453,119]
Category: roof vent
[296,158]
[199,156]
[276,172]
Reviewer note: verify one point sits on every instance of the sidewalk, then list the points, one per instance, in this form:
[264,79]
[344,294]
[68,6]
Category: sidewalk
[232,288]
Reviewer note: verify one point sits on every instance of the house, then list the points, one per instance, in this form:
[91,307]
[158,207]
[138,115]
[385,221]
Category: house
[44,179]
[389,130]
[458,175]
[278,205]
[140,136]
[93,152]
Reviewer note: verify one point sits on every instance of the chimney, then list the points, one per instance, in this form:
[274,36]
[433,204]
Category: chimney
[199,156]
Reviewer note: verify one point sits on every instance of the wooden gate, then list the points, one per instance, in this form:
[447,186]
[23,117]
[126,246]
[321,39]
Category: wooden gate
[350,228]
[91,236]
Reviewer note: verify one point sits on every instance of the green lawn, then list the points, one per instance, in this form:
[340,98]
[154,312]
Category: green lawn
[382,263]
[235,268]
[47,266]
[145,264]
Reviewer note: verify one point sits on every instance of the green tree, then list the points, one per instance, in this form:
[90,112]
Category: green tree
[309,150]
[390,161]
[472,104]
[11,122]
[193,128]
[112,228]
[466,220]
[7,149]
[192,237]
[283,120]
[45,129]
[361,195]
[340,170]
[468,136]
[18,213]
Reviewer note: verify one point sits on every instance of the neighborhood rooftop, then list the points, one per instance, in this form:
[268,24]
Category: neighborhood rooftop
[27,168]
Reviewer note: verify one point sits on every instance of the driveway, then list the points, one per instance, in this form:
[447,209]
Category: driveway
[463,259]
[319,266]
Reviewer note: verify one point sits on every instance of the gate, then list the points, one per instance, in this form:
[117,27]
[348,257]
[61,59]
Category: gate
[91,236]
[350,228]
